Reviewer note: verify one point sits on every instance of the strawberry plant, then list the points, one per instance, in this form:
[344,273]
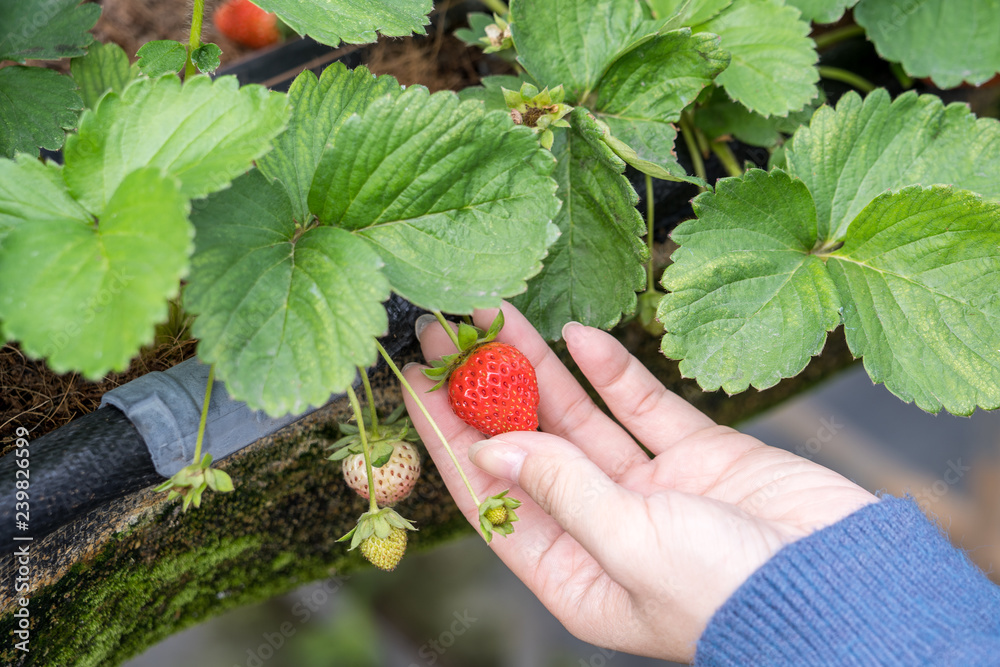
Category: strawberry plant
[281,223]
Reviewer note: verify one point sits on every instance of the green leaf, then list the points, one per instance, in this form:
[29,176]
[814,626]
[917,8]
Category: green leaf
[223,482]
[319,108]
[37,106]
[595,268]
[658,79]
[748,303]
[773,67]
[646,89]
[950,41]
[476,30]
[849,155]
[286,315]
[650,140]
[162,56]
[467,336]
[689,12]
[86,296]
[381,453]
[918,277]
[570,42]
[457,201]
[33,190]
[205,133]
[104,68]
[720,116]
[822,11]
[207,58]
[46,30]
[351,22]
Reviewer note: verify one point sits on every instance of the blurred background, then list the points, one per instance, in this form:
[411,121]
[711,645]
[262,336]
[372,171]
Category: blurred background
[458,606]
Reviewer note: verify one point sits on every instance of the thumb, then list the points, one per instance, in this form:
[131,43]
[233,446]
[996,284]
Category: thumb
[570,488]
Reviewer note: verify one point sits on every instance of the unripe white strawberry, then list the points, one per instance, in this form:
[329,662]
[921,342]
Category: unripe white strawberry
[393,481]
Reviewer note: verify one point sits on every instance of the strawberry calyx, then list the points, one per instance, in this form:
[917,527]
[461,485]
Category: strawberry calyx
[497,515]
[470,338]
[382,440]
[191,481]
[378,523]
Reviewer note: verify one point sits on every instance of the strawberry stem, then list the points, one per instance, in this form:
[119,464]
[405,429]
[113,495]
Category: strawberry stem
[356,406]
[447,327]
[204,414]
[197,16]
[370,397]
[650,219]
[430,420]
[498,7]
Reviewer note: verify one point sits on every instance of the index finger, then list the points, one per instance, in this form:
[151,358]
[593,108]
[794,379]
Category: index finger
[565,409]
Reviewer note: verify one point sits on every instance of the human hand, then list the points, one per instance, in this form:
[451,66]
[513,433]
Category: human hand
[630,553]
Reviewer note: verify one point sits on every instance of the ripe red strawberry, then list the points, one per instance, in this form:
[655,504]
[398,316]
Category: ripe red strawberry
[393,481]
[491,385]
[494,390]
[246,23]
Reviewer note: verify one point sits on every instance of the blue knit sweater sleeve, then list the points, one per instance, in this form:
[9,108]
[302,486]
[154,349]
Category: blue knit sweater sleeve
[880,587]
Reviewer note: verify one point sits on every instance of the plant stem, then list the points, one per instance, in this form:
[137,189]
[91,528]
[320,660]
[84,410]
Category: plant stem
[850,78]
[370,397]
[204,414]
[195,39]
[687,131]
[725,155]
[498,7]
[650,217]
[447,327]
[356,406]
[904,79]
[837,36]
[427,415]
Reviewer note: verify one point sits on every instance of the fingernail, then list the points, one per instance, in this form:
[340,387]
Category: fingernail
[498,458]
[569,328]
[410,365]
[422,323]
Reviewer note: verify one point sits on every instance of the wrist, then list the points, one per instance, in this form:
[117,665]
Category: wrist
[879,586]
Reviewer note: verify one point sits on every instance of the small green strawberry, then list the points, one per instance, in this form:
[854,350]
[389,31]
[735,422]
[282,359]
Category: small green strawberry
[497,515]
[385,553]
[381,534]
[491,385]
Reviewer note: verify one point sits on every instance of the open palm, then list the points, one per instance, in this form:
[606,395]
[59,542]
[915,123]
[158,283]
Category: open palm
[629,552]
